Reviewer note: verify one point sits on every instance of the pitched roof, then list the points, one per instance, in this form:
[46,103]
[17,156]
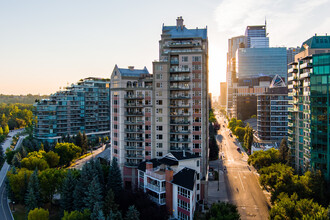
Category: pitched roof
[175,32]
[316,42]
[184,156]
[185,178]
[157,162]
[133,72]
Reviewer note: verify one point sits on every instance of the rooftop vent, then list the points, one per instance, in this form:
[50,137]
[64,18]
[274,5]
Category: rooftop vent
[131,67]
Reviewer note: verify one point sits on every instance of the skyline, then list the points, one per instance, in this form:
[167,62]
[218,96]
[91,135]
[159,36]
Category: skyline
[78,39]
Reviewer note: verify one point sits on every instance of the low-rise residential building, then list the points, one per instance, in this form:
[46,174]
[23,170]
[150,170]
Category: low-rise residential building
[174,181]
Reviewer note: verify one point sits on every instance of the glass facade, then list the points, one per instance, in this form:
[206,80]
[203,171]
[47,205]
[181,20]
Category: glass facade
[255,62]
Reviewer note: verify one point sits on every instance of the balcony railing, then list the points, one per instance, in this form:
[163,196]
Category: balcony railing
[155,175]
[177,114]
[180,122]
[182,140]
[134,147]
[134,96]
[134,156]
[134,114]
[180,97]
[155,188]
[186,78]
[180,131]
[134,130]
[134,122]
[180,70]
[133,139]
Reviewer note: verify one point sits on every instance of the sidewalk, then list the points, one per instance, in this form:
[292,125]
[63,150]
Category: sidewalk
[78,164]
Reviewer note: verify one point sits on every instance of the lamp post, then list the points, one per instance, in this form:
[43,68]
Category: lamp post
[13,206]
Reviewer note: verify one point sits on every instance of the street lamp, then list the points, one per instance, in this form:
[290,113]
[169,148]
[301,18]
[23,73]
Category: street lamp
[13,206]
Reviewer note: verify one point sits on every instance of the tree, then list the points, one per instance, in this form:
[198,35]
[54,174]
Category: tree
[50,182]
[284,151]
[132,213]
[30,199]
[223,210]
[52,159]
[291,208]
[38,214]
[18,183]
[115,215]
[32,163]
[6,130]
[34,184]
[1,131]
[115,180]
[93,194]
[271,176]
[109,203]
[232,124]
[240,132]
[260,159]
[214,149]
[97,213]
[84,144]
[67,152]
[76,215]
[79,139]
[248,137]
[2,156]
[68,186]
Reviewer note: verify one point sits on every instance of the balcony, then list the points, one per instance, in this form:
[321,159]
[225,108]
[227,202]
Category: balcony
[180,79]
[177,122]
[181,140]
[293,70]
[134,114]
[174,61]
[130,164]
[305,75]
[158,201]
[134,130]
[134,96]
[179,87]
[180,131]
[172,148]
[134,139]
[137,122]
[180,70]
[133,105]
[306,65]
[134,147]
[155,188]
[180,106]
[134,156]
[177,114]
[157,174]
[180,97]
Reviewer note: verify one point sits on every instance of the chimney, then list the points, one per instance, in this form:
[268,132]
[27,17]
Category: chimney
[169,190]
[131,67]
[179,22]
[149,166]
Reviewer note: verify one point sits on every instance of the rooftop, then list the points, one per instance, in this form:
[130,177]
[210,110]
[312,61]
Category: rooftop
[133,72]
[316,42]
[185,178]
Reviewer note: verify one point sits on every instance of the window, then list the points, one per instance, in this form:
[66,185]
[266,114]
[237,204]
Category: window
[115,126]
[115,118]
[197,102]
[159,110]
[147,136]
[115,102]
[184,205]
[115,151]
[115,135]
[196,59]
[197,176]
[159,93]
[197,186]
[159,119]
[159,76]
[184,59]
[115,110]
[147,118]
[197,110]
[196,128]
[159,102]
[197,163]
[183,192]
[147,127]
[197,75]
[159,67]
[147,102]
[159,85]
[159,145]
[115,143]
[159,154]
[183,216]
[196,67]
[196,137]
[196,146]
[159,128]
[159,137]
[148,153]
[148,109]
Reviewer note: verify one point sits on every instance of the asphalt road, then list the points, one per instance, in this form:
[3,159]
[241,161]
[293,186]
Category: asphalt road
[5,213]
[241,180]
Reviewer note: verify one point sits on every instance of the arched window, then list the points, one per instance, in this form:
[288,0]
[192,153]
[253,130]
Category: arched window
[129,84]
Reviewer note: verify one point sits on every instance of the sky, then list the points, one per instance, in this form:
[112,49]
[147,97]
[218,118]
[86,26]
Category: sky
[48,44]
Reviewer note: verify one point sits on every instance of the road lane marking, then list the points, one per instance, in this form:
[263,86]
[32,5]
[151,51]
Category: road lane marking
[241,181]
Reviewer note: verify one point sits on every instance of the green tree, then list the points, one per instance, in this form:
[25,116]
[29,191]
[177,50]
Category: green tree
[223,210]
[84,144]
[38,214]
[76,215]
[240,132]
[32,163]
[50,183]
[1,131]
[30,199]
[284,151]
[18,183]
[115,215]
[248,137]
[67,152]
[260,159]
[97,213]
[132,213]
[109,203]
[115,180]
[79,139]
[52,158]
[93,194]
[68,186]
[291,208]
[232,124]
[271,176]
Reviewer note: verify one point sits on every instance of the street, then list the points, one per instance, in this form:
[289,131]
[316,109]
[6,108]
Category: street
[5,213]
[241,180]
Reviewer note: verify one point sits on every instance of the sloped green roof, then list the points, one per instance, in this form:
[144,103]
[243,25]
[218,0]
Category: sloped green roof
[316,42]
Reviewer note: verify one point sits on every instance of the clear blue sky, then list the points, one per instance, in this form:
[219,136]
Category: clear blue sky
[45,44]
